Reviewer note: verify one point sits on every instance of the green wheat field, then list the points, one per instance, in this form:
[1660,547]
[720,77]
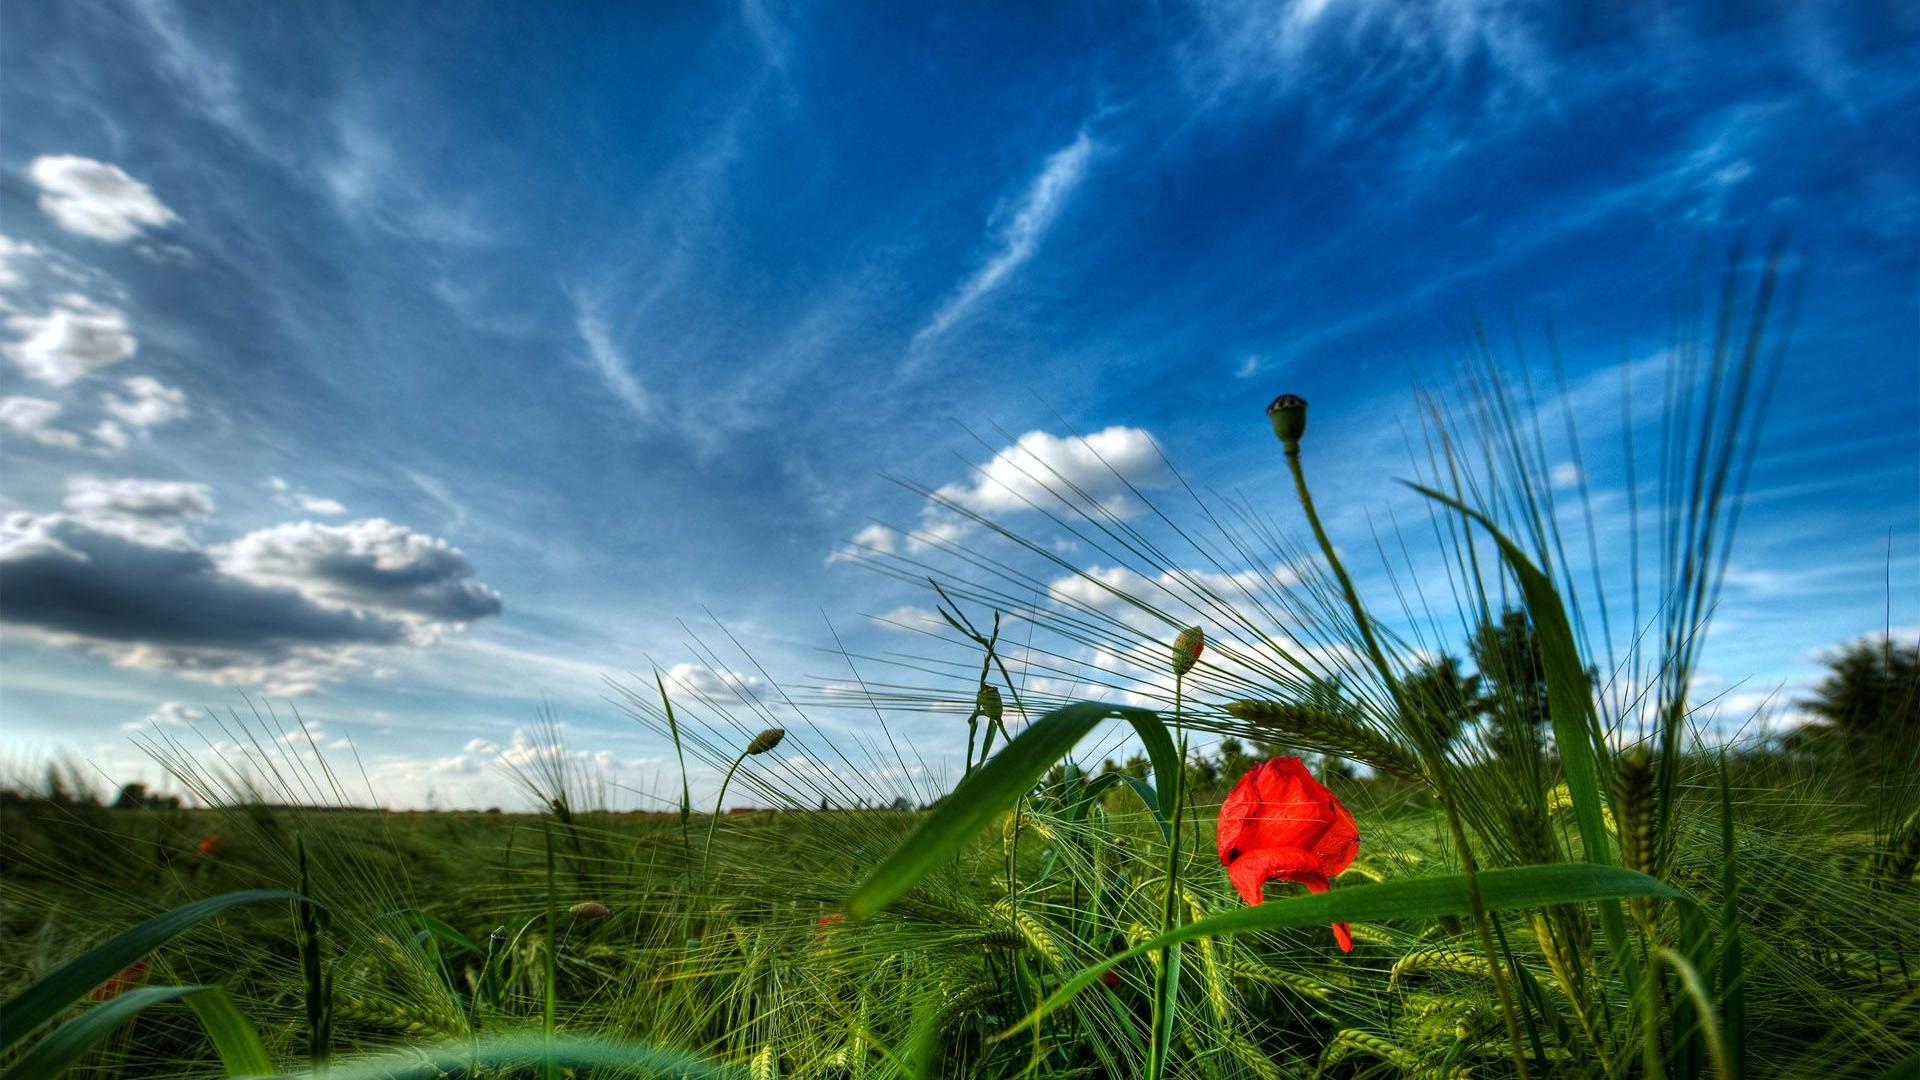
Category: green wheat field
[1567,865]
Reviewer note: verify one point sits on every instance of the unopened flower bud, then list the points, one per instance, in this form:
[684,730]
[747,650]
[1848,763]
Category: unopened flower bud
[1288,415]
[766,740]
[1186,649]
[988,704]
[589,909]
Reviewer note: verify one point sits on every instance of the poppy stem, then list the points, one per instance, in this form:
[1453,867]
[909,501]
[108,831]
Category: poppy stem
[1432,754]
[1166,984]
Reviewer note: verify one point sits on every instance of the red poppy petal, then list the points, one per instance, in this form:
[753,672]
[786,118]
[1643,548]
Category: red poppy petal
[1255,868]
[1344,936]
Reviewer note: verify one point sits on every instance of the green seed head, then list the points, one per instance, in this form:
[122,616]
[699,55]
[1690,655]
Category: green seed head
[987,703]
[1186,649]
[766,740]
[1288,415]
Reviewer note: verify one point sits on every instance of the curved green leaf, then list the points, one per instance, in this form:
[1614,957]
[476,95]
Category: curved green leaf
[233,1038]
[992,787]
[1513,887]
[525,1051]
[1569,698]
[25,1012]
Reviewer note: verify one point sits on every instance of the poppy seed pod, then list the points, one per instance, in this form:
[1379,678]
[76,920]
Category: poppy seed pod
[589,909]
[987,703]
[1288,415]
[1186,649]
[766,740]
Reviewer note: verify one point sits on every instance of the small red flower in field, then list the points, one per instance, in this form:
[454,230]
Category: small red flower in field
[829,919]
[1111,978]
[121,982]
[1279,822]
[211,845]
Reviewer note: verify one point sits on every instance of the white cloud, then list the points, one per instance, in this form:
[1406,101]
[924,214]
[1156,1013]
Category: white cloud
[911,617]
[1105,467]
[33,418]
[1022,473]
[96,199]
[153,499]
[1254,41]
[111,435]
[1564,475]
[12,254]
[604,356]
[1039,206]
[169,714]
[371,565]
[73,339]
[304,500]
[723,687]
[283,609]
[149,403]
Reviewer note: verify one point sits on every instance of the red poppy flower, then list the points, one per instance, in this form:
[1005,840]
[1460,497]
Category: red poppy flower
[1279,822]
[210,846]
[830,918]
[1111,978]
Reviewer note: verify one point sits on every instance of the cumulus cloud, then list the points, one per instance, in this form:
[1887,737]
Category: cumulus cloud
[33,418]
[74,338]
[156,499]
[96,199]
[148,403]
[722,687]
[371,564]
[1039,469]
[1022,473]
[1019,238]
[286,608]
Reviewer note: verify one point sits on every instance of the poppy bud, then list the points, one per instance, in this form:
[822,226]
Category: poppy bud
[987,703]
[766,740]
[1288,415]
[589,909]
[1186,649]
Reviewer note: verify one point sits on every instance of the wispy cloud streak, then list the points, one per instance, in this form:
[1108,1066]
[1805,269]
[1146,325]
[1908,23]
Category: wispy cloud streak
[1040,205]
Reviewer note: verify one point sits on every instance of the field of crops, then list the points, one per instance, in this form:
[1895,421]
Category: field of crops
[1375,866]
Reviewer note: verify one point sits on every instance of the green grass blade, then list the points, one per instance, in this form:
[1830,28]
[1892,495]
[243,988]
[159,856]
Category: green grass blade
[1569,698]
[1732,966]
[991,787]
[1513,887]
[53,1055]
[673,726]
[510,1053]
[24,1013]
[1906,1070]
[234,1039]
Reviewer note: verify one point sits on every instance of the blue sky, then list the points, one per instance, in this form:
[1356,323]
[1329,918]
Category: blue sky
[418,364]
